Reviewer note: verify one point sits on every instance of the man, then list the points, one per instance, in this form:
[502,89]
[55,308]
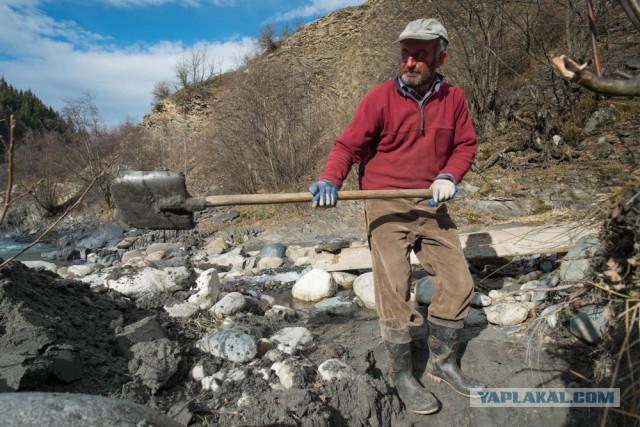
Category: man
[413,131]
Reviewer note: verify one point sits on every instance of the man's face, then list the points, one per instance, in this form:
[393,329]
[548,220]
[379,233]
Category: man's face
[419,62]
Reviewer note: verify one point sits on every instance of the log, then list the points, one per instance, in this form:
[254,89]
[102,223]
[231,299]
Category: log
[496,242]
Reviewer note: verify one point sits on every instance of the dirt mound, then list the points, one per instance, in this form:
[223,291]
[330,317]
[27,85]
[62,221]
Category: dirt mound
[59,334]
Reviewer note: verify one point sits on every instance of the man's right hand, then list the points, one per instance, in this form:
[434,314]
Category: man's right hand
[325,194]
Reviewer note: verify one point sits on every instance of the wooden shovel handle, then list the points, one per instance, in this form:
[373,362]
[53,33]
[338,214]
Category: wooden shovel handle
[265,199]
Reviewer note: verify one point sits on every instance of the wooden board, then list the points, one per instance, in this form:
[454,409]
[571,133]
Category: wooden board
[496,242]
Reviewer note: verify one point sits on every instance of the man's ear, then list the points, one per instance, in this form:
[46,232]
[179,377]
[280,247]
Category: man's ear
[441,58]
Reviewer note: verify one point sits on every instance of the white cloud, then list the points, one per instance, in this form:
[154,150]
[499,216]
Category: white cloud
[58,61]
[317,7]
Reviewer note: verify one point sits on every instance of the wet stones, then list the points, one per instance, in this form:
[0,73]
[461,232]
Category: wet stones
[336,306]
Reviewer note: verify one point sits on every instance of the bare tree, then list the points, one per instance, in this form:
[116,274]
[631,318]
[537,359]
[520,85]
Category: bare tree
[161,90]
[268,40]
[196,67]
[90,144]
[269,140]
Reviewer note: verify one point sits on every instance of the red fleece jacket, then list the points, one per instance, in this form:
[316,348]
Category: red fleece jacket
[386,140]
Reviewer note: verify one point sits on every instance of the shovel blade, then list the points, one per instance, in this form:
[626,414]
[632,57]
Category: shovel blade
[152,200]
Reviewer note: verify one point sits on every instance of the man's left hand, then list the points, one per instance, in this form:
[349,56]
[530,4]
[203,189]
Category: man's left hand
[442,190]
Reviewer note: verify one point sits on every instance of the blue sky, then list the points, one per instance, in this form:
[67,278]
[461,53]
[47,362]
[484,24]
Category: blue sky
[117,50]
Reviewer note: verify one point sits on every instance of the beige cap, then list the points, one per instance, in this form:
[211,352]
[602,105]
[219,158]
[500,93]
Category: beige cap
[424,29]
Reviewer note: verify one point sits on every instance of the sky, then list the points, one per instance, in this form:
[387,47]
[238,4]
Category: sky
[118,50]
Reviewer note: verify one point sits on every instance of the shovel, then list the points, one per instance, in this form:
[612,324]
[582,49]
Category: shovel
[159,199]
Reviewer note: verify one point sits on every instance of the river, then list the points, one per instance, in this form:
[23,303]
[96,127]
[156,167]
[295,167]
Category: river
[9,248]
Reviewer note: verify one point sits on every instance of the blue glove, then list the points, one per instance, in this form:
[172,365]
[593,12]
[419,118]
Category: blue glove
[442,190]
[325,193]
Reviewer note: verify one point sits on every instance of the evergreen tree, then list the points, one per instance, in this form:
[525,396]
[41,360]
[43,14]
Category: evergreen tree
[29,112]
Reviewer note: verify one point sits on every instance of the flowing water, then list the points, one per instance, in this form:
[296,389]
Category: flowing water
[9,248]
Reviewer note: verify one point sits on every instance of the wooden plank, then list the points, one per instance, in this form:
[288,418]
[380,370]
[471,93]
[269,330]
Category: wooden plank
[495,242]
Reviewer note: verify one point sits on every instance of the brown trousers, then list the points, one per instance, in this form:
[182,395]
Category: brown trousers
[395,227]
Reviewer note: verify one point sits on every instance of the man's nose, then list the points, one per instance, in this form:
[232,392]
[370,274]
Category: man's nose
[411,62]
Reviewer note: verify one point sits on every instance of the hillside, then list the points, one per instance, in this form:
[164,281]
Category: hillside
[527,119]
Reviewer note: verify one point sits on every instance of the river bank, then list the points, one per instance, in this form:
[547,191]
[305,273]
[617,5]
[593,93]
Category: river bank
[147,330]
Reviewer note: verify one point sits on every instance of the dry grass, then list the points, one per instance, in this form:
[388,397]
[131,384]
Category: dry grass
[202,325]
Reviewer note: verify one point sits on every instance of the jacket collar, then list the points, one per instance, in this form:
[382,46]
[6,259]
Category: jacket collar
[407,91]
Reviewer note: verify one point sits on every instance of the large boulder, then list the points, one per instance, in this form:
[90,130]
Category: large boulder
[315,285]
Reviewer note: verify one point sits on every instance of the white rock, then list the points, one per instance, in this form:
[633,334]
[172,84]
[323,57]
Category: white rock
[290,372]
[302,261]
[245,401]
[507,314]
[480,300]
[210,383]
[197,373]
[335,369]
[182,310]
[344,280]
[219,243]
[155,256]
[289,339]
[270,262]
[62,272]
[365,290]
[134,254]
[230,304]
[180,275]
[82,270]
[41,265]
[208,284]
[97,279]
[235,259]
[143,281]
[265,373]
[127,242]
[167,248]
[315,285]
[295,252]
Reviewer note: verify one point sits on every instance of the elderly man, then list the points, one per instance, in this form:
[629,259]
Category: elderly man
[413,131]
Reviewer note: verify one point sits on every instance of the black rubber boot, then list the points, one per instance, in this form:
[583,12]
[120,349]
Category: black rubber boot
[415,397]
[443,364]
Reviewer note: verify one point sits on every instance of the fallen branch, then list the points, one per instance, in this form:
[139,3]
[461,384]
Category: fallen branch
[44,233]
[571,70]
